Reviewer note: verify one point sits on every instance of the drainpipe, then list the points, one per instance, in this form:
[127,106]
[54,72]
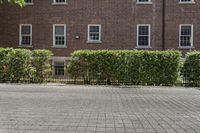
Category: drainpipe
[163,23]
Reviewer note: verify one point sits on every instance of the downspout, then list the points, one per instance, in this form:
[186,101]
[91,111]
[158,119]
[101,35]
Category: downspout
[163,23]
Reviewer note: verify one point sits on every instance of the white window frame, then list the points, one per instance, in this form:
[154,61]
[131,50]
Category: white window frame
[59,3]
[20,35]
[141,2]
[192,35]
[27,4]
[149,26]
[54,35]
[187,2]
[94,41]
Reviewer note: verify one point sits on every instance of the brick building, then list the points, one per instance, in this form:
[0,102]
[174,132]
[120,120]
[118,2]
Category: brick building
[63,26]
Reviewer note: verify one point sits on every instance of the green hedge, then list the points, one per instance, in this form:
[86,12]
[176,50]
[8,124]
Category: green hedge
[41,64]
[21,64]
[191,68]
[15,64]
[126,66]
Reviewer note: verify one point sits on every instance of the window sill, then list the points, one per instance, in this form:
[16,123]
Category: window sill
[59,4]
[144,47]
[59,46]
[186,47]
[144,3]
[25,46]
[94,41]
[187,3]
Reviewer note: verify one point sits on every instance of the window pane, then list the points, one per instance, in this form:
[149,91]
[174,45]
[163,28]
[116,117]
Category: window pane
[26,30]
[60,40]
[186,0]
[144,0]
[94,28]
[185,41]
[59,68]
[28,1]
[143,30]
[94,36]
[60,1]
[59,30]
[186,30]
[26,40]
[143,41]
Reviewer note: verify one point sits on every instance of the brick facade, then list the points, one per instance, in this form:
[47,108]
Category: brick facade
[181,14]
[118,19]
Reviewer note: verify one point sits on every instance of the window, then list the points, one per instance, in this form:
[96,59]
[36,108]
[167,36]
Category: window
[59,2]
[94,33]
[186,35]
[186,1]
[59,68]
[59,35]
[143,35]
[144,1]
[25,38]
[28,2]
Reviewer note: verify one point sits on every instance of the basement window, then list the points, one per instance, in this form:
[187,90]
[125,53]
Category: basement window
[59,68]
[59,2]
[28,2]
[186,1]
[144,1]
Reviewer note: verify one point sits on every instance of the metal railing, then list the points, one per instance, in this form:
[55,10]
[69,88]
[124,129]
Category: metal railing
[184,79]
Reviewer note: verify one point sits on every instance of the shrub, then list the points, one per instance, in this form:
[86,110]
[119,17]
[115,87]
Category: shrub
[191,68]
[4,62]
[126,66]
[20,64]
[89,65]
[41,64]
[15,64]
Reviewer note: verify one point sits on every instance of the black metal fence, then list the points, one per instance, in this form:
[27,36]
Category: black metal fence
[188,80]
[184,79]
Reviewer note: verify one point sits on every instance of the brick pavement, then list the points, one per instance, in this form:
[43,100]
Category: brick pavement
[98,109]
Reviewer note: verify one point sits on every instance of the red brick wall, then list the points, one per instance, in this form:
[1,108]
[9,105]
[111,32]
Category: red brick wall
[2,20]
[119,19]
[181,14]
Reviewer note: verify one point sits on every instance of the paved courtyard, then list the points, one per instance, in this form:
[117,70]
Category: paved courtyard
[98,109]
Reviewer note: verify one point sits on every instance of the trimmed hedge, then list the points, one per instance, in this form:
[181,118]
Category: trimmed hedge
[41,64]
[191,68]
[20,64]
[126,66]
[15,64]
